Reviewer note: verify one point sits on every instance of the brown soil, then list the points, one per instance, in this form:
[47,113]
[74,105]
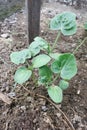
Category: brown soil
[29,112]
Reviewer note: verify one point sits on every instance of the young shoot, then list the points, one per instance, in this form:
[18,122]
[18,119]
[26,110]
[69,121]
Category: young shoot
[55,70]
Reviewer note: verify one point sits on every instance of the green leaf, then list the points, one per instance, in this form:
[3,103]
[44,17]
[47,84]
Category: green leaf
[45,74]
[22,75]
[37,45]
[65,65]
[66,22]
[40,60]
[54,55]
[42,43]
[55,23]
[55,94]
[56,66]
[85,25]
[68,32]
[68,17]
[20,56]
[34,48]
[63,84]
[69,25]
[69,69]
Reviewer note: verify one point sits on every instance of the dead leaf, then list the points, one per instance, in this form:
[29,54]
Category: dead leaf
[5,98]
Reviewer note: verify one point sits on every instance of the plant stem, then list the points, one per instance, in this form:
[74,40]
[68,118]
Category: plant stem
[58,35]
[55,78]
[79,45]
[27,63]
[34,78]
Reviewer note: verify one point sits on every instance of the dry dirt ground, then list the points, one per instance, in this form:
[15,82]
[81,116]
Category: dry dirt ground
[29,112]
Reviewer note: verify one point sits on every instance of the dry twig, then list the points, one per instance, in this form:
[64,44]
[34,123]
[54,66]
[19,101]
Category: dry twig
[5,98]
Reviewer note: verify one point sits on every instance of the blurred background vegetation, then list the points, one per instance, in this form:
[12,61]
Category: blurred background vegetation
[8,7]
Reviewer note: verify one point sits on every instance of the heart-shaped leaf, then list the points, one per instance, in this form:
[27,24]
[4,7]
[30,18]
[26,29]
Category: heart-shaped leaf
[45,74]
[40,60]
[20,56]
[22,75]
[55,94]
[63,84]
[65,65]
[65,22]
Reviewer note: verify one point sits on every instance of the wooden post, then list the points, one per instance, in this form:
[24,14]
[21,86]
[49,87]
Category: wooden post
[33,10]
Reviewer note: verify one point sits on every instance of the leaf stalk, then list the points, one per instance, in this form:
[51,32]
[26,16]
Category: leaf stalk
[79,45]
[58,35]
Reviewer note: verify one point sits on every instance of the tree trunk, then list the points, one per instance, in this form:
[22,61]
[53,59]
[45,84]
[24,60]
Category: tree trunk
[33,10]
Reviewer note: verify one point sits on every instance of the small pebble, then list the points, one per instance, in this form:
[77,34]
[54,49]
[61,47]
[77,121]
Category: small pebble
[44,108]
[23,108]
[78,92]
[5,35]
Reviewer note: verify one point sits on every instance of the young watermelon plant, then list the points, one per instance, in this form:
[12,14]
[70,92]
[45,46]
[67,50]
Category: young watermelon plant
[55,70]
